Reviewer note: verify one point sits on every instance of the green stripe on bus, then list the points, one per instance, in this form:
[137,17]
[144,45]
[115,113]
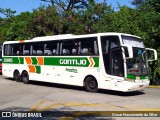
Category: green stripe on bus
[96,60]
[131,76]
[21,60]
[57,61]
[134,77]
[144,77]
[34,60]
[38,69]
[13,60]
[71,61]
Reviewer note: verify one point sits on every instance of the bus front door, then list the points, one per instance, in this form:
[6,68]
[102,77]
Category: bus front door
[116,68]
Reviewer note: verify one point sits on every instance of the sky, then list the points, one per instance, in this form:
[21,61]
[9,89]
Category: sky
[28,5]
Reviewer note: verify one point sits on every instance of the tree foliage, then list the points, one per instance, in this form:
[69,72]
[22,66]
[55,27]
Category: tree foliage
[7,12]
[69,4]
[137,2]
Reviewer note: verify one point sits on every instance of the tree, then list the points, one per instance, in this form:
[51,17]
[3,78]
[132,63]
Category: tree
[69,4]
[19,27]
[7,12]
[47,21]
[137,2]
[149,5]
[153,33]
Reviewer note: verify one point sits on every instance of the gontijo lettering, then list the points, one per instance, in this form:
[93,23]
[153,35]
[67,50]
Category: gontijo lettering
[72,62]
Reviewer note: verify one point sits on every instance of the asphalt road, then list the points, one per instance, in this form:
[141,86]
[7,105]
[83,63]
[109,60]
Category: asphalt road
[40,96]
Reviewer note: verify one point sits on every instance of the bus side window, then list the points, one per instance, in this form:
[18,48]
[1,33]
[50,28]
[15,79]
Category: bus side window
[16,49]
[85,51]
[65,52]
[26,52]
[51,48]
[38,48]
[89,46]
[47,52]
[69,47]
[90,51]
[26,49]
[39,52]
[8,50]
[54,52]
[96,47]
[74,51]
[33,52]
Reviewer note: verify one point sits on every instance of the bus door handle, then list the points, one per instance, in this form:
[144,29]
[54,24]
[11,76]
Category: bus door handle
[71,76]
[52,68]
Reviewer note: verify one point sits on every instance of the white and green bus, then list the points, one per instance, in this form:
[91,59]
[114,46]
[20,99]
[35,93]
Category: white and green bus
[113,61]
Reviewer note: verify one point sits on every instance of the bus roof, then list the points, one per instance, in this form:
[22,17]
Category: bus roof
[68,36]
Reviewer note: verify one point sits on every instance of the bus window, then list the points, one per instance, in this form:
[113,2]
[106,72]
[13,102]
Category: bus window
[51,48]
[38,48]
[89,46]
[69,47]
[6,50]
[26,49]
[17,49]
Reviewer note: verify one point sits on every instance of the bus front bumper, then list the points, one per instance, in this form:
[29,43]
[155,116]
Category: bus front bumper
[134,86]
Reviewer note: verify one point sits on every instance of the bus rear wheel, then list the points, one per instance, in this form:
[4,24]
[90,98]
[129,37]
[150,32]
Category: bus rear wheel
[17,76]
[91,84]
[25,77]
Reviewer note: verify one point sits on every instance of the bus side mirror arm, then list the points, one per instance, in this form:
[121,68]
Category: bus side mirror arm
[130,51]
[155,54]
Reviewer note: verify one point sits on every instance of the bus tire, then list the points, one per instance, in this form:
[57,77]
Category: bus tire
[17,76]
[91,84]
[25,77]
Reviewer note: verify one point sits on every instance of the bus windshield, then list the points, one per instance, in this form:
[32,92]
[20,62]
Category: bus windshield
[138,65]
[133,41]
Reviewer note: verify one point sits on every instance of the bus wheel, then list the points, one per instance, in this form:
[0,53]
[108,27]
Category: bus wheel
[17,76]
[25,77]
[91,84]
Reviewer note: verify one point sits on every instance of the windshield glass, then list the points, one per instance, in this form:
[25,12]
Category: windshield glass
[138,65]
[133,41]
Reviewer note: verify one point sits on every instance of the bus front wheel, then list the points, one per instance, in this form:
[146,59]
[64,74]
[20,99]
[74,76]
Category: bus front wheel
[25,77]
[91,84]
[17,76]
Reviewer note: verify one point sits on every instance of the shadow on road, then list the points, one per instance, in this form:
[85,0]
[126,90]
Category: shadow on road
[118,93]
[11,79]
[109,92]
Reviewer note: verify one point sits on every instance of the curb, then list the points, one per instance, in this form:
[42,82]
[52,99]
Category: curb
[153,86]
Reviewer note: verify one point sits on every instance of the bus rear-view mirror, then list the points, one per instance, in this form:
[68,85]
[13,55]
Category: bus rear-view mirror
[152,54]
